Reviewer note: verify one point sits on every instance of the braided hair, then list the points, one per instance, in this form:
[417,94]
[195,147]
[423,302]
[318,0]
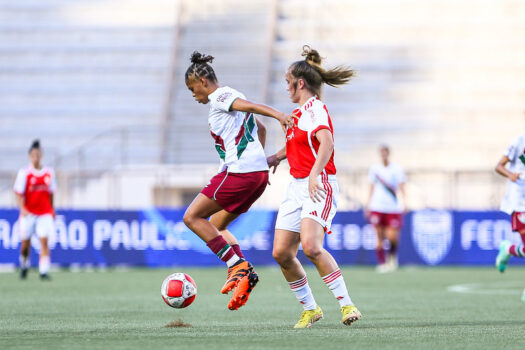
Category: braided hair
[314,75]
[200,68]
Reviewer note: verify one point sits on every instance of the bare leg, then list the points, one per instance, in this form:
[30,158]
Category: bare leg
[379,248]
[312,236]
[197,214]
[221,220]
[392,234]
[285,247]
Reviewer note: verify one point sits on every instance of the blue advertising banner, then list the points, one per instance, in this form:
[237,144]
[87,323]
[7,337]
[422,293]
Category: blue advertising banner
[158,237]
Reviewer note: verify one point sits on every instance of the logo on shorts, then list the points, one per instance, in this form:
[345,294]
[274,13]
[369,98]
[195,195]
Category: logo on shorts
[314,213]
[432,234]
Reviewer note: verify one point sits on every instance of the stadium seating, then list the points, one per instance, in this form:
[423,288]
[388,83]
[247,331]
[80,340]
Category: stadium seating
[439,81]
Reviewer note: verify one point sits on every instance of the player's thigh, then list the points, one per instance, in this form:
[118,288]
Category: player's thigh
[312,236]
[285,244]
[27,225]
[44,226]
[202,207]
[222,219]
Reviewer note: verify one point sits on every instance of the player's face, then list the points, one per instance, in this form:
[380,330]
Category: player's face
[384,153]
[35,156]
[291,87]
[199,90]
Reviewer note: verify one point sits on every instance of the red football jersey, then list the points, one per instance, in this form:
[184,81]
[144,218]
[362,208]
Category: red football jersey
[302,145]
[36,186]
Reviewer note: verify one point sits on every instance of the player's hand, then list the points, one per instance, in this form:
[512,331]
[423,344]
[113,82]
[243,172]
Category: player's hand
[317,193]
[514,177]
[287,121]
[273,161]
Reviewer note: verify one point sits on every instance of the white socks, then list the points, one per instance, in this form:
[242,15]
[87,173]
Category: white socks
[303,293]
[43,265]
[25,263]
[336,284]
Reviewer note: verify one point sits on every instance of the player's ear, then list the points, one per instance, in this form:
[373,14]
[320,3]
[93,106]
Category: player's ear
[300,83]
[204,82]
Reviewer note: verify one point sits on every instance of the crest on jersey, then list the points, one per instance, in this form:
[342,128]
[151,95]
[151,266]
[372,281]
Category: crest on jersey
[521,218]
[47,180]
[432,234]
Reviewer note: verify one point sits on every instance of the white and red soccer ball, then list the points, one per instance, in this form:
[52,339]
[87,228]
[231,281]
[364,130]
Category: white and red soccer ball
[178,290]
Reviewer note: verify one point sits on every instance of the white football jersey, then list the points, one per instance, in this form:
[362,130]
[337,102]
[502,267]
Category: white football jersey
[386,182]
[235,134]
[514,199]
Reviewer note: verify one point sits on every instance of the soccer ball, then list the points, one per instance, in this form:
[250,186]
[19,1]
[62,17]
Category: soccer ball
[178,290]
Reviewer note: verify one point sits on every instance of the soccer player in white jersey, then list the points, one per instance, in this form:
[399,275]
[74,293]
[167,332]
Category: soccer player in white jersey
[34,188]
[242,176]
[306,212]
[384,208]
[514,201]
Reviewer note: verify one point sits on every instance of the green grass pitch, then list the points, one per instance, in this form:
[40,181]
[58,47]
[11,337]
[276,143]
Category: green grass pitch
[408,309]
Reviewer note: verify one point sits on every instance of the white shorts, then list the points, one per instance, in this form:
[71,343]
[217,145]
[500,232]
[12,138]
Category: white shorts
[298,205]
[42,225]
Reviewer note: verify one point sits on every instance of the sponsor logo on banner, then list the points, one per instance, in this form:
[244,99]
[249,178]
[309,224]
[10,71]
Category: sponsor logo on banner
[432,234]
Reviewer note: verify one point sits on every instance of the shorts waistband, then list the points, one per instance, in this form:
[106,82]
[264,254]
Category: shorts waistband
[305,179]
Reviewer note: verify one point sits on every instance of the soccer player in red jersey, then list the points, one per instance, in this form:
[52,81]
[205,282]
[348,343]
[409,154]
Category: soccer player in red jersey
[384,208]
[242,176]
[34,188]
[310,203]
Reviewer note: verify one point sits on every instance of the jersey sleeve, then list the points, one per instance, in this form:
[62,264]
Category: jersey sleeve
[319,118]
[512,151]
[20,182]
[224,99]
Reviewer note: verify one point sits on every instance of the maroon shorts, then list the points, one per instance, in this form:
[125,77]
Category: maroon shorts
[518,221]
[236,192]
[386,219]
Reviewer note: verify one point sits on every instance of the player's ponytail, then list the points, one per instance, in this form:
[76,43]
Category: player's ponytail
[314,75]
[200,68]
[34,145]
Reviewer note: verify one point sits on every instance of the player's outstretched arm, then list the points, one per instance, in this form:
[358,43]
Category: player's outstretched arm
[275,159]
[250,107]
[503,171]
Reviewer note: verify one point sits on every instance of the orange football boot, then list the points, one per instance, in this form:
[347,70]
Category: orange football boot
[235,274]
[242,292]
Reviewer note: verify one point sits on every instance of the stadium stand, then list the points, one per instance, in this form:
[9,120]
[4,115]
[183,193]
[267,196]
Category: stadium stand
[446,94]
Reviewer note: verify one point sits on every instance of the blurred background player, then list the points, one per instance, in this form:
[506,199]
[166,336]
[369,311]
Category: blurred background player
[34,188]
[242,177]
[310,204]
[514,201]
[384,209]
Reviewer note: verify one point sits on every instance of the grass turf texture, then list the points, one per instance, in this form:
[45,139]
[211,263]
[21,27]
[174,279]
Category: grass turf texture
[409,309]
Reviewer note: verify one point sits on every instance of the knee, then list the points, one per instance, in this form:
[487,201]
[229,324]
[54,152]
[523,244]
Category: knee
[282,256]
[312,251]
